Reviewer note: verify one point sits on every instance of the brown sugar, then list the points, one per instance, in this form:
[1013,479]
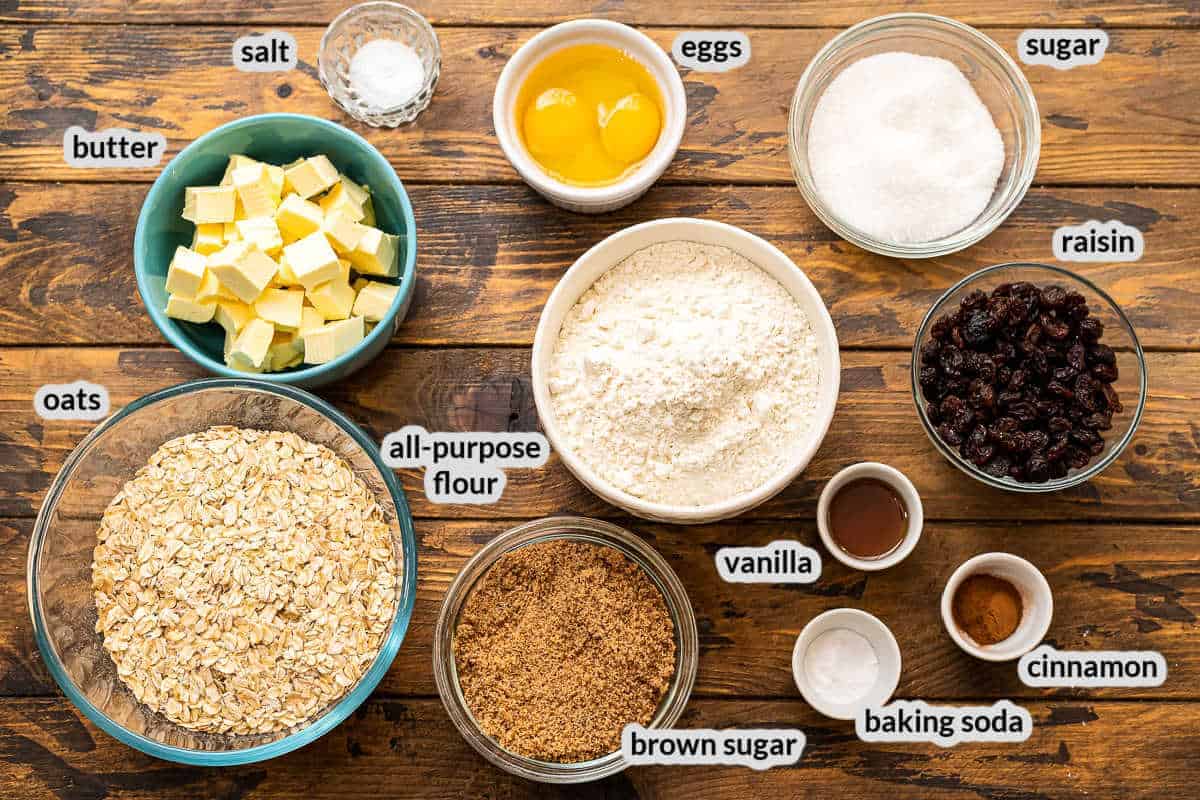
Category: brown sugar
[559,646]
[987,608]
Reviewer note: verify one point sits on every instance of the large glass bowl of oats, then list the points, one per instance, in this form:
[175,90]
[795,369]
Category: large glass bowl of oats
[222,571]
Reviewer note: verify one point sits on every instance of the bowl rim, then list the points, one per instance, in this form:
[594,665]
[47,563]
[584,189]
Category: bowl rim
[316,373]
[544,338]
[982,226]
[979,565]
[568,34]
[951,455]
[343,707]
[581,529]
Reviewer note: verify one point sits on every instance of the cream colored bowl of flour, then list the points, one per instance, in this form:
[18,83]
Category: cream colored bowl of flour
[685,370]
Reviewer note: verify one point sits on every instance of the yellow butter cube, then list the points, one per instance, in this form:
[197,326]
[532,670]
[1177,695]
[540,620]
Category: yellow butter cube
[310,319]
[209,237]
[232,315]
[340,199]
[185,273]
[252,343]
[285,276]
[205,204]
[329,341]
[297,218]
[263,232]
[275,174]
[211,289]
[312,260]
[311,176]
[344,266]
[334,299]
[359,194]
[229,232]
[368,214]
[359,283]
[286,350]
[377,253]
[255,190]
[243,269]
[235,161]
[189,309]
[374,300]
[281,307]
[342,232]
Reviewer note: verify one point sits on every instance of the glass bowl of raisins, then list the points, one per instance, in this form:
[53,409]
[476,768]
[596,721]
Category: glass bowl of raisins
[1028,377]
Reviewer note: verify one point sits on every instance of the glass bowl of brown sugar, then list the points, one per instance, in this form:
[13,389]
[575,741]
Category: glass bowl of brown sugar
[555,636]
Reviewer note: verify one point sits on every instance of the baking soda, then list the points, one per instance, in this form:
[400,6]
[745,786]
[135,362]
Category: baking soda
[901,148]
[841,665]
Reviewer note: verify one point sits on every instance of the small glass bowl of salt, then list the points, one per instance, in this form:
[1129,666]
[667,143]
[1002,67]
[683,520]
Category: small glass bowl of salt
[380,62]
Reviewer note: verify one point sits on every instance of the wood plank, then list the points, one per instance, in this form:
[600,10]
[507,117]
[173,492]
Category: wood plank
[407,748]
[1127,120]
[1024,13]
[484,389]
[489,256]
[1115,587]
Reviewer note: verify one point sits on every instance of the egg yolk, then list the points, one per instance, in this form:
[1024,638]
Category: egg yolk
[589,114]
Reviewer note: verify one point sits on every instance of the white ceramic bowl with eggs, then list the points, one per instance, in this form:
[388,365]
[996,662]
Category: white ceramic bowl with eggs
[610,252]
[639,46]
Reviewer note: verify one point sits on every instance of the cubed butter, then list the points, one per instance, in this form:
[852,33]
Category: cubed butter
[243,269]
[329,341]
[376,253]
[255,190]
[252,343]
[359,194]
[262,232]
[205,204]
[285,276]
[344,267]
[311,176]
[339,199]
[189,309]
[209,238]
[185,273]
[312,260]
[281,307]
[310,319]
[236,161]
[232,315]
[286,350]
[229,232]
[342,232]
[297,218]
[334,299]
[374,300]
[211,289]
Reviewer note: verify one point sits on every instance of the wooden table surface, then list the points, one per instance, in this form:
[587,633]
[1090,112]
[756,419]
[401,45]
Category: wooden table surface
[1120,139]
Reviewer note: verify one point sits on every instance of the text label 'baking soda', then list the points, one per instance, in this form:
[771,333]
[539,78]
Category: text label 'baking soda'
[112,147]
[1045,666]
[1099,241]
[78,400]
[711,51]
[463,467]
[274,51]
[946,726]
[783,561]
[1062,48]
[757,748]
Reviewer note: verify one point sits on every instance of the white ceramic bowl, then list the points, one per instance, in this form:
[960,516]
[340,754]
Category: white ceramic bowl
[606,255]
[902,486]
[882,642]
[593,199]
[1037,603]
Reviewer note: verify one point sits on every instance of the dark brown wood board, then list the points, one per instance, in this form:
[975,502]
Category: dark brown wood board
[1121,553]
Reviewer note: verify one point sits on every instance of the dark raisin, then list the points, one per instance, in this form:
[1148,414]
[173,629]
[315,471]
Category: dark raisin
[1037,470]
[1111,399]
[933,412]
[1100,354]
[1054,297]
[1091,329]
[1036,440]
[1058,389]
[975,299]
[1053,327]
[1100,421]
[949,435]
[1105,372]
[1058,425]
[952,359]
[929,352]
[1077,357]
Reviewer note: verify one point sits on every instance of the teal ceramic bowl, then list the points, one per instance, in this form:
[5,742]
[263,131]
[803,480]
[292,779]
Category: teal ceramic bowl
[277,139]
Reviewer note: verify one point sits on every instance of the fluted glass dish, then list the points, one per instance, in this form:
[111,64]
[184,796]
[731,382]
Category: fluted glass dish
[61,600]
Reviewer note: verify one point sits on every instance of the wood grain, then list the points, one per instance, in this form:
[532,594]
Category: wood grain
[484,389]
[778,13]
[1116,587]
[489,256]
[407,748]
[1130,119]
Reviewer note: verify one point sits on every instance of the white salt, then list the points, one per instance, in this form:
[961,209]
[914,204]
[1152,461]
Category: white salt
[841,665]
[901,147]
[386,73]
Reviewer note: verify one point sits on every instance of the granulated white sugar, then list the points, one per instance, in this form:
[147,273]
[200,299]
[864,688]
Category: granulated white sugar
[901,147]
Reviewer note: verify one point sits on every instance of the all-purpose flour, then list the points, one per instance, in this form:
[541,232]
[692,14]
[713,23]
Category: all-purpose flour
[685,375]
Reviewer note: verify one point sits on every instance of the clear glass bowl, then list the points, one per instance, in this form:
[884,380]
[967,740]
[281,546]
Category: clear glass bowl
[61,602]
[580,529]
[366,22]
[1118,334]
[999,83]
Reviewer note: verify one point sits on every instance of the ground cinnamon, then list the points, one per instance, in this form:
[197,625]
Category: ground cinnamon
[559,646]
[987,608]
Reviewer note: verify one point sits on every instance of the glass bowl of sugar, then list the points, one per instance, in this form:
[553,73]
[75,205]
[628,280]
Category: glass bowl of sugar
[380,63]
[913,135]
